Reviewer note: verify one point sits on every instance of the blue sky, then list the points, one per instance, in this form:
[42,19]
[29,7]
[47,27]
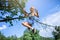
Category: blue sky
[48,9]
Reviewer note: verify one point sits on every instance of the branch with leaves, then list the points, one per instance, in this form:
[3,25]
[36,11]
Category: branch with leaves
[20,6]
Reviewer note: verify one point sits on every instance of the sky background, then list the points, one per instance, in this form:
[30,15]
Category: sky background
[49,12]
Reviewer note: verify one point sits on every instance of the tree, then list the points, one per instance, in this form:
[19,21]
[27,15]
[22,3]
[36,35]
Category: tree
[12,38]
[57,33]
[11,9]
[2,37]
[29,35]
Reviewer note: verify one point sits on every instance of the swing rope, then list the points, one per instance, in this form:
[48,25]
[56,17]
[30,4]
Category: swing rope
[45,24]
[38,21]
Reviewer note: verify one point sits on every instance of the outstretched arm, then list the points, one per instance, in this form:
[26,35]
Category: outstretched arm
[25,13]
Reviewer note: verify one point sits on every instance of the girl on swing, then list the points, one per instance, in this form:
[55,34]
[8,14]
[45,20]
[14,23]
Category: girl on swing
[30,18]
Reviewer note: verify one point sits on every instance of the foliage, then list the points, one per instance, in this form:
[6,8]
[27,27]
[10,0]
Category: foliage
[31,36]
[11,10]
[57,33]
[28,35]
[2,37]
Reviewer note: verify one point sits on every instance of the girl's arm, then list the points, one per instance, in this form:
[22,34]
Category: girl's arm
[25,13]
[36,13]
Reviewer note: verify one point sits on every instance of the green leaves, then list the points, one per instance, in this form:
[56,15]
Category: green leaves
[9,5]
[12,7]
[29,35]
[21,17]
[2,37]
[57,33]
[11,23]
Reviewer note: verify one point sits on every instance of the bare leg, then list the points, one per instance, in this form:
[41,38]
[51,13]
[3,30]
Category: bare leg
[26,24]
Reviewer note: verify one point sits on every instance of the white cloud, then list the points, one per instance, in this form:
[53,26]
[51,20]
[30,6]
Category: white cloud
[3,27]
[45,33]
[53,19]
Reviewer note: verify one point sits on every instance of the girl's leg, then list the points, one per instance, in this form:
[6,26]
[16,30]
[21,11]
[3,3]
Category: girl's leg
[26,24]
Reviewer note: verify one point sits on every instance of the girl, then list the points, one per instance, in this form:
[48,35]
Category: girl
[30,19]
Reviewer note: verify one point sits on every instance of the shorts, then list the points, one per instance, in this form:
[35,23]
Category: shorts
[31,22]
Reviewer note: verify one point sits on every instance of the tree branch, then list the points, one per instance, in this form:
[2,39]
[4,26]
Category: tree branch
[8,19]
[24,12]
